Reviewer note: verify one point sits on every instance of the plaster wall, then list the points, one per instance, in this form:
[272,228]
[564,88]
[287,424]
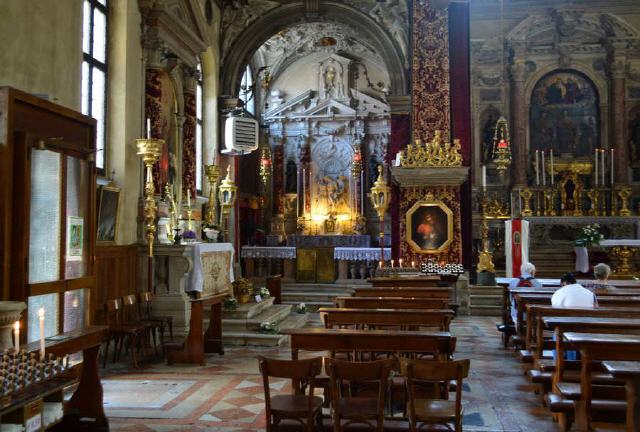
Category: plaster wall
[42,48]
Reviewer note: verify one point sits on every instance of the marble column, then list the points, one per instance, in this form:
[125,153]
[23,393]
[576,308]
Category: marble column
[618,119]
[518,124]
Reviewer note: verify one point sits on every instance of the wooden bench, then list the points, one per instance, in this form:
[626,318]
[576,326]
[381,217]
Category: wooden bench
[198,343]
[404,318]
[436,292]
[630,372]
[391,303]
[441,344]
[411,281]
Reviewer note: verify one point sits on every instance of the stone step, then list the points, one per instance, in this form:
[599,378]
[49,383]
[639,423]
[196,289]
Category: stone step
[316,288]
[294,320]
[485,311]
[273,314]
[308,297]
[311,305]
[253,338]
[248,310]
[485,300]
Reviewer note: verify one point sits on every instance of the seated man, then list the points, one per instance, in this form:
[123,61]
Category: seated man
[572,294]
[526,279]
[601,285]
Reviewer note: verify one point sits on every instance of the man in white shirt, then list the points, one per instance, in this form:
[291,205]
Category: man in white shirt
[572,294]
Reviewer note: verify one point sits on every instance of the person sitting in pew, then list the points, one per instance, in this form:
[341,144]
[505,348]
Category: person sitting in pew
[572,294]
[601,285]
[527,279]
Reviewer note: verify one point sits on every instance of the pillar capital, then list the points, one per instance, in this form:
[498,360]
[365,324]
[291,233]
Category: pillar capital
[399,104]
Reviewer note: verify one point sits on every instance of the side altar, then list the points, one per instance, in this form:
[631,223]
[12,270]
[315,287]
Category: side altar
[178,270]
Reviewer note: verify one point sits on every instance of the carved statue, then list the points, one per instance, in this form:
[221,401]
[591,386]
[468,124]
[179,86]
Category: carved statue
[329,81]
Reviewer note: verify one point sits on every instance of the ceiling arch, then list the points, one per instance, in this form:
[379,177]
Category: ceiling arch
[275,20]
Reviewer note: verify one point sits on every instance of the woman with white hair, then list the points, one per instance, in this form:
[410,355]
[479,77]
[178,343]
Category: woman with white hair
[601,285]
[527,279]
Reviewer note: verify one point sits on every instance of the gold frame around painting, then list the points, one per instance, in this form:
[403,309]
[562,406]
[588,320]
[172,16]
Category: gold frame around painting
[99,238]
[409,228]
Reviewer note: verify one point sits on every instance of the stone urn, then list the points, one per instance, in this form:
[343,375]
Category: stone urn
[10,312]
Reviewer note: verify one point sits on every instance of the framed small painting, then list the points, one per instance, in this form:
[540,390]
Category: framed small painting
[429,227]
[108,206]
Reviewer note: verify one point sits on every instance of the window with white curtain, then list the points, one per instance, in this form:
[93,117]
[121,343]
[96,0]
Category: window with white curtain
[94,71]
[199,157]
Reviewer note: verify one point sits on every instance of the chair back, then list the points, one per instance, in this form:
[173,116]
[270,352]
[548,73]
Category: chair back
[145,304]
[113,313]
[130,307]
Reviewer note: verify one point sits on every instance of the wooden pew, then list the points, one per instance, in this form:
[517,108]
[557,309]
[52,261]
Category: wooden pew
[405,318]
[436,292]
[630,372]
[441,344]
[411,281]
[598,347]
[391,303]
[197,343]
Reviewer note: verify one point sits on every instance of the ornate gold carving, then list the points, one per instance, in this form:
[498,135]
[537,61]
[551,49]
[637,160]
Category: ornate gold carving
[430,201]
[526,195]
[149,151]
[623,255]
[434,153]
[624,194]
[549,200]
[496,209]
[212,172]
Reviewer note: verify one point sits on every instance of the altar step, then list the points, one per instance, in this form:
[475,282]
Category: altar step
[241,327]
[485,300]
[314,295]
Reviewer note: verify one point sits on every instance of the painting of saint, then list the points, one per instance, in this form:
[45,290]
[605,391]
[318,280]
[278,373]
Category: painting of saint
[429,227]
[564,114]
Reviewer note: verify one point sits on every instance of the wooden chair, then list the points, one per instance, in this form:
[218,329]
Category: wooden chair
[118,332]
[132,317]
[146,313]
[434,411]
[344,376]
[298,406]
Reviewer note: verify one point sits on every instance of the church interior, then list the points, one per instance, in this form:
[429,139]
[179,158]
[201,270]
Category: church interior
[320,215]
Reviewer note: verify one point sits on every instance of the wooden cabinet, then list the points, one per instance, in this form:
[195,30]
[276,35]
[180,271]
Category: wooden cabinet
[47,210]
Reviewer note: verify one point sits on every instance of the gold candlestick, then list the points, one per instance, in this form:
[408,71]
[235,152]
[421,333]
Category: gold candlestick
[549,200]
[624,194]
[227,196]
[213,173]
[149,151]
[526,195]
[485,258]
[594,198]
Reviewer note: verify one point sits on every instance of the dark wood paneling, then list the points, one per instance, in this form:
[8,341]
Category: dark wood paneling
[117,274]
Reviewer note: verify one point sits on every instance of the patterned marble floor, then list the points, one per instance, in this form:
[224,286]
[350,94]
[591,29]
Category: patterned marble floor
[227,395]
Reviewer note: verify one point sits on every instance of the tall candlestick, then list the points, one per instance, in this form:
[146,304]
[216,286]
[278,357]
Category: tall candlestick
[602,155]
[484,177]
[41,317]
[596,164]
[304,190]
[16,336]
[544,176]
[362,192]
[612,154]
[189,199]
[552,168]
[298,201]
[148,128]
[537,167]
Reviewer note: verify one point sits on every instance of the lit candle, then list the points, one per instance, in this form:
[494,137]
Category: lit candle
[380,264]
[41,316]
[304,189]
[189,199]
[596,164]
[602,155]
[16,336]
[537,167]
[544,176]
[484,177]
[552,168]
[612,154]
[392,263]
[413,264]
[148,128]
[400,262]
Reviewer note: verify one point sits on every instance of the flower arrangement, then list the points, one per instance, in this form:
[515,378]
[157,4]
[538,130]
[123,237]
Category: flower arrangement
[262,292]
[589,236]
[242,288]
[189,236]
[301,308]
[268,328]
[211,232]
[230,303]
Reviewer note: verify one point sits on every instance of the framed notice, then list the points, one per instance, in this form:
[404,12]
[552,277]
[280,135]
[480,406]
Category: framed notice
[75,241]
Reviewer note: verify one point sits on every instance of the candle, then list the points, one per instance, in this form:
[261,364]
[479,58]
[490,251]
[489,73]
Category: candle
[544,176]
[602,155]
[397,159]
[298,191]
[413,264]
[596,164]
[537,167]
[484,177]
[380,264]
[392,263]
[612,154]
[189,199]
[41,316]
[16,336]
[362,192]
[400,262]
[304,189]
[148,128]
[552,168]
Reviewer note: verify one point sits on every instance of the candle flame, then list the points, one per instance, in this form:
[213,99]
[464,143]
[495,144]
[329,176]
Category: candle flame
[41,313]
[16,325]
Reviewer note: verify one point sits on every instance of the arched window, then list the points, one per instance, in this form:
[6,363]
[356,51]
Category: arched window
[247,93]
[94,71]
[199,157]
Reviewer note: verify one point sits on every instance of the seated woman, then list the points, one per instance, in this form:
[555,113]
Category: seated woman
[601,285]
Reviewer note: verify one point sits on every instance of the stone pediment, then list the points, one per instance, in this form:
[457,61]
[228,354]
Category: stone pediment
[328,109]
[298,103]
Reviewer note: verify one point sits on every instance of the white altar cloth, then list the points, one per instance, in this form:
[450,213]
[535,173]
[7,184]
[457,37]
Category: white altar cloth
[195,278]
[274,252]
[620,242]
[360,254]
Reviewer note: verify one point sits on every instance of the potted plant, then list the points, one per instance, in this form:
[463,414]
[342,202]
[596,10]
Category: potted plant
[588,236]
[230,303]
[268,328]
[301,308]
[242,289]
[211,232]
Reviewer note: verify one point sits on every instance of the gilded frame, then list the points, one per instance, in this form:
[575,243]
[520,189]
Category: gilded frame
[108,217]
[441,212]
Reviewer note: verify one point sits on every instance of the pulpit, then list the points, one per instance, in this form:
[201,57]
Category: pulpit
[204,268]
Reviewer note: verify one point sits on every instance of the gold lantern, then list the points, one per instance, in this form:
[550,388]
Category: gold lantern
[227,197]
[501,146]
[380,196]
[212,172]
[149,151]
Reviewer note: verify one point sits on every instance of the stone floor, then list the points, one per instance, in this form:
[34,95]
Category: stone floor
[227,395]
